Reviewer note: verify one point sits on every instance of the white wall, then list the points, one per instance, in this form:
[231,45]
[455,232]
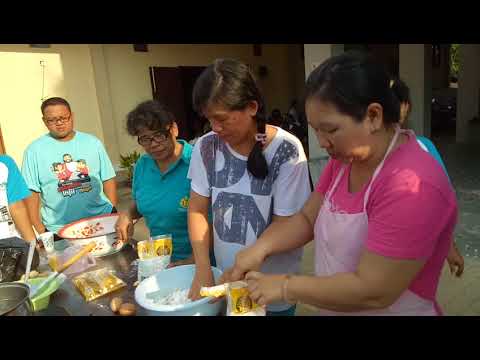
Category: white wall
[129,80]
[21,94]
[315,54]
[104,82]
[416,70]
[68,73]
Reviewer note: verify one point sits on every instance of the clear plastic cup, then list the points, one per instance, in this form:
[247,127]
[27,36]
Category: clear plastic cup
[149,267]
[47,239]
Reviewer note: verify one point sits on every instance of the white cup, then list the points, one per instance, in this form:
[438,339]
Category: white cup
[47,239]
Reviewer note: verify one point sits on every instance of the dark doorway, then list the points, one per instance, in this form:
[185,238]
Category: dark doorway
[173,86]
[386,54]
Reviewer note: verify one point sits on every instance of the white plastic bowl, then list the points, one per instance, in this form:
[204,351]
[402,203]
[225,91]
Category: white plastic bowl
[168,280]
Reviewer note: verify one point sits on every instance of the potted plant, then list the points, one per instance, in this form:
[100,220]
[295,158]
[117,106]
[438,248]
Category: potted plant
[127,162]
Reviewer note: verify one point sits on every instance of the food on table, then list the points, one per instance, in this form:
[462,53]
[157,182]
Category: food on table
[215,291]
[115,304]
[158,246]
[127,309]
[87,230]
[97,283]
[240,303]
[176,297]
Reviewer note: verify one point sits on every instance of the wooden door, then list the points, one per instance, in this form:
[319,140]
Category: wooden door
[167,88]
[190,74]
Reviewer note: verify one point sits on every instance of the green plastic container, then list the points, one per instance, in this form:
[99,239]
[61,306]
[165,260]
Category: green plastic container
[41,300]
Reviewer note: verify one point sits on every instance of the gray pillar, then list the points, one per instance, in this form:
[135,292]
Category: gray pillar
[468,89]
[105,102]
[415,63]
[315,54]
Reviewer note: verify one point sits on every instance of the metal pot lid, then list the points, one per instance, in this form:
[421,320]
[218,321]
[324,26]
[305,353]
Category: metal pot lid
[12,295]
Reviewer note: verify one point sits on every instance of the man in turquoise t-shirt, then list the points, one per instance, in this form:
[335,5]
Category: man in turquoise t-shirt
[68,171]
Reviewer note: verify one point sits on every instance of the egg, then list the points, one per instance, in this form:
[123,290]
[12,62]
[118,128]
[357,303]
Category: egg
[115,304]
[127,309]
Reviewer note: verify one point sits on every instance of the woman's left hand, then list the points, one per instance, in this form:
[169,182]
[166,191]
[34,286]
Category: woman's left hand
[265,289]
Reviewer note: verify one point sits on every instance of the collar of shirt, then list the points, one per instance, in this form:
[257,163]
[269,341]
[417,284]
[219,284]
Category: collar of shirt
[185,157]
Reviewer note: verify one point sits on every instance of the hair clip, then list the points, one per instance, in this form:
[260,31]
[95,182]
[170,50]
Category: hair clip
[261,138]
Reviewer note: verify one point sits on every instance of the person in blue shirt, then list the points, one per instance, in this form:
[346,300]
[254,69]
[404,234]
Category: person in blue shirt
[14,218]
[160,188]
[455,259]
[69,172]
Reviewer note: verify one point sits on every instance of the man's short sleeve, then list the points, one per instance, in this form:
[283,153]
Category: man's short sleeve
[107,170]
[16,187]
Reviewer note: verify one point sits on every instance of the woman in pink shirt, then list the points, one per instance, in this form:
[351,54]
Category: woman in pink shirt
[382,213]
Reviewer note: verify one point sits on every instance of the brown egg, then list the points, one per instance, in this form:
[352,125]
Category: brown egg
[127,309]
[115,304]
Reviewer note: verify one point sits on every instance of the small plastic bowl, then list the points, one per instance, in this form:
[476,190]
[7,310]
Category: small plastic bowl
[41,300]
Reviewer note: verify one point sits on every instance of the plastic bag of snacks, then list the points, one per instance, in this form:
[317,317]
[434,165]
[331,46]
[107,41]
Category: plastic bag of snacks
[94,284]
[154,255]
[239,302]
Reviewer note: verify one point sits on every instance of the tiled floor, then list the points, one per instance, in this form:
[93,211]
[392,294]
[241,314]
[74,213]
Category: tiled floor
[456,296]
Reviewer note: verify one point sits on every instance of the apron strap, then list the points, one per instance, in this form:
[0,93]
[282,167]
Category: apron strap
[380,166]
[337,180]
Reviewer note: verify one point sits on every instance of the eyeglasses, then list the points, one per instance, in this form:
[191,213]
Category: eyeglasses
[159,137]
[58,120]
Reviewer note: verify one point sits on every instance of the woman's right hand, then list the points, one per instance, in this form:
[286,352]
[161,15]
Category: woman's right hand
[203,277]
[124,227]
[249,259]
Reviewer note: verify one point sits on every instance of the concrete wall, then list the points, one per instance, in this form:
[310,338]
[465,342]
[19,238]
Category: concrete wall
[315,54]
[129,80]
[68,73]
[441,74]
[104,82]
[416,70]
[468,90]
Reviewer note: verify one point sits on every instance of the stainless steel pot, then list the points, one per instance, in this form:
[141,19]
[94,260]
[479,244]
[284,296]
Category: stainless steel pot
[15,300]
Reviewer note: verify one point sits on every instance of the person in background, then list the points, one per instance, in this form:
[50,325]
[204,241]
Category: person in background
[455,259]
[276,118]
[160,187]
[61,193]
[383,212]
[250,173]
[14,218]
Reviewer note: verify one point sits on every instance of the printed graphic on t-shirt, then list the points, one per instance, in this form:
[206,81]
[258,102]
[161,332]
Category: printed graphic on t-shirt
[184,203]
[72,176]
[249,211]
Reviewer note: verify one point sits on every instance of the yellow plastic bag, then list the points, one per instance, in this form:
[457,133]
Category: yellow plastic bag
[97,283]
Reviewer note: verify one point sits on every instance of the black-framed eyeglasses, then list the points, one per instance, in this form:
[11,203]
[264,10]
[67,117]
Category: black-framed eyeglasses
[159,137]
[58,120]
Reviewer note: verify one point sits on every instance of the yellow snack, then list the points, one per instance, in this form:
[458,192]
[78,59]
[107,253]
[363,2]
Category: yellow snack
[145,249]
[239,298]
[163,245]
[215,291]
[97,283]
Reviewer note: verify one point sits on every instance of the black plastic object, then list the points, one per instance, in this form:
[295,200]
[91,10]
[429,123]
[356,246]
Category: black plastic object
[13,259]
